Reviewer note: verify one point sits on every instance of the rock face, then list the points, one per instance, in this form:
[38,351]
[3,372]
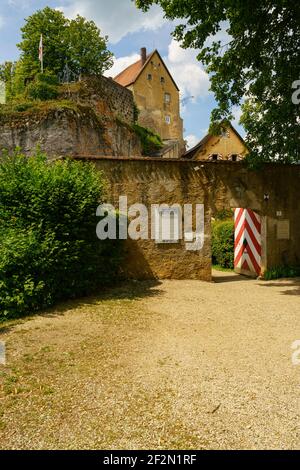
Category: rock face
[91,118]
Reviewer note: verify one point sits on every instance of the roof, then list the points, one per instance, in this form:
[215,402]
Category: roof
[129,76]
[193,151]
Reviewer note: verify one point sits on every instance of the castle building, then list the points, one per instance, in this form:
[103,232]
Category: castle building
[229,145]
[157,98]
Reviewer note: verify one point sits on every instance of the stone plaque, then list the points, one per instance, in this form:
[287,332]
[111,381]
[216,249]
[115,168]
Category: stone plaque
[283,230]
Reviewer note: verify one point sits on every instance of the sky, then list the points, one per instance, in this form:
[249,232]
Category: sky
[128,29]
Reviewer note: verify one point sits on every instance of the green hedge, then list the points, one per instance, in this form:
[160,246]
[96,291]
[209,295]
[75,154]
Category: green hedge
[223,243]
[48,245]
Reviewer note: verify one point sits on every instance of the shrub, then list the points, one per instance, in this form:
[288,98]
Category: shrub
[44,87]
[223,243]
[48,246]
[151,143]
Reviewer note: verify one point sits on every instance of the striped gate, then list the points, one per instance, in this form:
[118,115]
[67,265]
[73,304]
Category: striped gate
[247,244]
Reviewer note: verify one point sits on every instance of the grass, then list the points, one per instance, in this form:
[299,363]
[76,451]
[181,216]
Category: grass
[29,108]
[217,267]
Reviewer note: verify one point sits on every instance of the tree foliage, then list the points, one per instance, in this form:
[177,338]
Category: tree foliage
[257,64]
[76,43]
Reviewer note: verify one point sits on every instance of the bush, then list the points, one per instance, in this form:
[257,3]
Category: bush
[44,87]
[151,143]
[48,245]
[223,243]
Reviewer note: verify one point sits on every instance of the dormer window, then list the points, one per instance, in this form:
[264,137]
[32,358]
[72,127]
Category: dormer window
[162,79]
[149,77]
[214,157]
[234,157]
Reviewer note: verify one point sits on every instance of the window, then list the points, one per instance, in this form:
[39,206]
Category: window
[167,98]
[168,119]
[168,227]
[225,133]
[162,79]
[149,77]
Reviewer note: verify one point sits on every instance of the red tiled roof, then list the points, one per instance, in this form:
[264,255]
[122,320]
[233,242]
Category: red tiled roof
[128,76]
[131,73]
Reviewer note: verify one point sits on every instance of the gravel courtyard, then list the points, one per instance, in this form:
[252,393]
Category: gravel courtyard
[170,365]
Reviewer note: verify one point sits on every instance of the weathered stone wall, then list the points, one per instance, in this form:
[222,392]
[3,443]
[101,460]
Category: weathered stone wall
[105,96]
[218,185]
[65,131]
[93,117]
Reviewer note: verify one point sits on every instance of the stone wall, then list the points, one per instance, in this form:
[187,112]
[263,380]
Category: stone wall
[271,192]
[105,96]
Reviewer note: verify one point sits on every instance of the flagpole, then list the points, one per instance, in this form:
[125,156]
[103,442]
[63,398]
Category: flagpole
[41,53]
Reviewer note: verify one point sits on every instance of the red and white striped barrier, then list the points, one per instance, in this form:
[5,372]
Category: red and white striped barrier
[247,245]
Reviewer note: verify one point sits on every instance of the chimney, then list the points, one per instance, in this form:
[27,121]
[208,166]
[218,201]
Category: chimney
[143,55]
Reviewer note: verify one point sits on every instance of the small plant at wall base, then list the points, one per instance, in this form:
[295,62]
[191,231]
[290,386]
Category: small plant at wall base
[48,245]
[223,243]
[282,272]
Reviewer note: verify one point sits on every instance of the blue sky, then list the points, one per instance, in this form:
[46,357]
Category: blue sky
[128,30]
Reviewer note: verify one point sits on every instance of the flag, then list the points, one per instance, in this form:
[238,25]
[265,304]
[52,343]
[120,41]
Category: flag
[41,52]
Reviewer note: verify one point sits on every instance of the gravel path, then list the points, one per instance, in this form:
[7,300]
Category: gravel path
[177,364]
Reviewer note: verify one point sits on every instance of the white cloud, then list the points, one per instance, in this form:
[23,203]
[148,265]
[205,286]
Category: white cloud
[191,140]
[23,4]
[121,64]
[188,73]
[116,18]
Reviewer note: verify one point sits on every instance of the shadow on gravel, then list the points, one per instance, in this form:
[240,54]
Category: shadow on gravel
[220,276]
[293,284]
[129,290]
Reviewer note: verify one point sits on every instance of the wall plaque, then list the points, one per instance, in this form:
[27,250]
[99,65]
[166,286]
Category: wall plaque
[283,230]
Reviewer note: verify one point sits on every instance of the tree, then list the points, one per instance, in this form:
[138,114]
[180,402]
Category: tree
[52,25]
[87,50]
[76,43]
[257,66]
